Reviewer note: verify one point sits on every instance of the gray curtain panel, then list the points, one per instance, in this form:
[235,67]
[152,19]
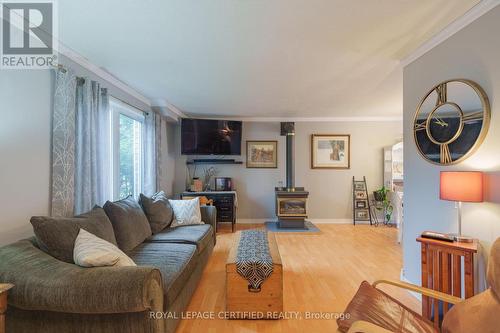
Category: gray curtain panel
[150,153]
[93,181]
[63,144]
[160,123]
[81,146]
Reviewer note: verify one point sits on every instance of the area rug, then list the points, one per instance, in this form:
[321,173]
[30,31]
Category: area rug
[308,227]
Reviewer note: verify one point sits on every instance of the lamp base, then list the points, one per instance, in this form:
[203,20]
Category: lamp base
[462,238]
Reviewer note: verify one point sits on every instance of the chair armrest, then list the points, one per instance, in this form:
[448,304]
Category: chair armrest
[45,283]
[209,216]
[362,326]
[421,290]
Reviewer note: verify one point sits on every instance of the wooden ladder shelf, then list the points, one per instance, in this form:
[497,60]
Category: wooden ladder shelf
[360,202]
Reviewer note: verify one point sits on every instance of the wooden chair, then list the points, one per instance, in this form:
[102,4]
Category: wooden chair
[373,311]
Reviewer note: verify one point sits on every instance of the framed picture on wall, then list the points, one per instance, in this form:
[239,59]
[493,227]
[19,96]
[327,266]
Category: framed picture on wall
[360,195]
[359,186]
[362,214]
[360,204]
[262,154]
[330,151]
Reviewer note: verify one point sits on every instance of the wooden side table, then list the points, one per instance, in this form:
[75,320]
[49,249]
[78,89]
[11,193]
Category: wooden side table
[4,288]
[442,271]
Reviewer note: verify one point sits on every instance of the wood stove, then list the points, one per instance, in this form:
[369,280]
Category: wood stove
[291,201]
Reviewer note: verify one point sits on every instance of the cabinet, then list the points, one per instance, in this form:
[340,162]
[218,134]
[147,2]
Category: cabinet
[224,201]
[442,271]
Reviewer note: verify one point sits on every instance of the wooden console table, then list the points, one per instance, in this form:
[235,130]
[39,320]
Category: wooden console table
[225,202]
[4,289]
[442,271]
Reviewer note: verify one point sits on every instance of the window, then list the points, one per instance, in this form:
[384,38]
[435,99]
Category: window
[127,125]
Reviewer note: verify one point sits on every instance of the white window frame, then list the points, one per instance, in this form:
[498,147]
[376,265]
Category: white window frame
[117,108]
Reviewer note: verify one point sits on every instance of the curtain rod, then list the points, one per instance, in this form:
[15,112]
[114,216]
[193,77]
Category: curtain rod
[64,70]
[60,67]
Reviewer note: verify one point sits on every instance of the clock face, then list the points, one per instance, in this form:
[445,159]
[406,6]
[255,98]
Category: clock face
[451,121]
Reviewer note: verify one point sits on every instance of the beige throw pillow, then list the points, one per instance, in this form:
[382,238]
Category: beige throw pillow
[186,212]
[92,251]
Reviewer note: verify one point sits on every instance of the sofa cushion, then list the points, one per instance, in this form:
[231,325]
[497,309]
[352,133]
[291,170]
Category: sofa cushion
[130,224]
[200,235]
[374,306]
[158,211]
[176,262]
[57,236]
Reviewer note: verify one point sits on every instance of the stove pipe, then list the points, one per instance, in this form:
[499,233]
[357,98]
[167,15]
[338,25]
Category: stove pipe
[288,130]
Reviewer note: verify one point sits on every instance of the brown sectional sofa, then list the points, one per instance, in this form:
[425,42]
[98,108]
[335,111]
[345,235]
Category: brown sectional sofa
[54,296]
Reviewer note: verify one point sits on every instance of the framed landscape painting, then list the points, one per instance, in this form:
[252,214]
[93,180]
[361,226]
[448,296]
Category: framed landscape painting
[262,154]
[330,151]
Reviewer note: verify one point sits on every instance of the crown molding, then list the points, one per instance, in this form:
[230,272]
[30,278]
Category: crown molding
[470,16]
[102,73]
[162,103]
[310,119]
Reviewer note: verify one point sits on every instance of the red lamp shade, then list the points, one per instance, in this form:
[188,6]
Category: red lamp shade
[464,186]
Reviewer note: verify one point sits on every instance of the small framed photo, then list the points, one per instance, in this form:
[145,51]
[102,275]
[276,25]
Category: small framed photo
[262,154]
[330,151]
[362,214]
[359,186]
[361,204]
[360,195]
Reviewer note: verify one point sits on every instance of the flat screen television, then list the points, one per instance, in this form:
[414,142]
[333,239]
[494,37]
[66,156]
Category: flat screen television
[210,137]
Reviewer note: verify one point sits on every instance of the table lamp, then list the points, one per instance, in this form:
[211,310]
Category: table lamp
[461,186]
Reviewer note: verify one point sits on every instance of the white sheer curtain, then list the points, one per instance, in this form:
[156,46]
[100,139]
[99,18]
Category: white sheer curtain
[153,171]
[93,181]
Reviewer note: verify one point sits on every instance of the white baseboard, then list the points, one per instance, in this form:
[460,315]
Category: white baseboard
[331,221]
[316,221]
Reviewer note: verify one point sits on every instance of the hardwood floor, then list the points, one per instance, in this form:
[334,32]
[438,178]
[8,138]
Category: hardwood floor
[322,271]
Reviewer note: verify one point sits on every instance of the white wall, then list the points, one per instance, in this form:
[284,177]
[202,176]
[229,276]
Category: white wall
[25,109]
[168,158]
[471,53]
[25,139]
[330,190]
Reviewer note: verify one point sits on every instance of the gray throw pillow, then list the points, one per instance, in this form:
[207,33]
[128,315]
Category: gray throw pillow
[57,235]
[130,224]
[158,211]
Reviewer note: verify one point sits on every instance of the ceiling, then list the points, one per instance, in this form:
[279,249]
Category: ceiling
[259,58]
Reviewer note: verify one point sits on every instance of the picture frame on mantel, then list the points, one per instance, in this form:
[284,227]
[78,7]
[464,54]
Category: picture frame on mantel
[330,151]
[262,154]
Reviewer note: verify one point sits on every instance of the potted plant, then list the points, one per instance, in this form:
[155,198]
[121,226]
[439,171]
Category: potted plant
[380,196]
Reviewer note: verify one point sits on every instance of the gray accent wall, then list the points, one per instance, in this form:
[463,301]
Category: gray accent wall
[472,53]
[330,190]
